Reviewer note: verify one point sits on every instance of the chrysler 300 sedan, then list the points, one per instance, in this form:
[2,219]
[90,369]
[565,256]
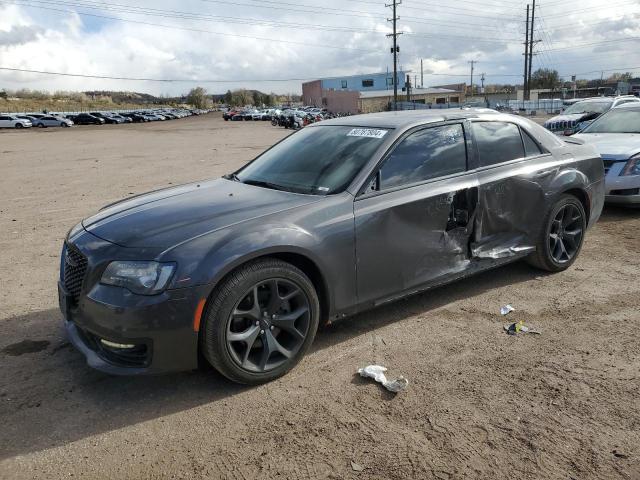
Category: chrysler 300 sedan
[340,217]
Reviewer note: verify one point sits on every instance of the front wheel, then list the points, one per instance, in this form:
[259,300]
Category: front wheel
[19,125]
[260,322]
[562,236]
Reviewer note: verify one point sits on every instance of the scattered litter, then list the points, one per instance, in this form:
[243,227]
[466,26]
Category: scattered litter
[618,454]
[520,327]
[356,466]
[377,373]
[507,309]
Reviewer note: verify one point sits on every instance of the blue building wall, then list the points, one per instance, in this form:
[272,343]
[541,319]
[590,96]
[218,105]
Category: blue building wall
[364,83]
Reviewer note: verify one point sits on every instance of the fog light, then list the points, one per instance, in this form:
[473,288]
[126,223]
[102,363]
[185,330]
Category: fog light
[107,343]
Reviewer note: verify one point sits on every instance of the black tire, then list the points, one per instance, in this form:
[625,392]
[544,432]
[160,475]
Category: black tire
[41,125]
[556,252]
[19,125]
[224,309]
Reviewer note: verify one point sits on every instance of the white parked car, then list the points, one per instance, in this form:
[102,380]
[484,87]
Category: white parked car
[616,136]
[11,121]
[579,115]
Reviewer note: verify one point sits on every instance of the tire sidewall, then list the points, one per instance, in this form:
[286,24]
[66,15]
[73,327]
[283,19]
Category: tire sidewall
[224,299]
[561,203]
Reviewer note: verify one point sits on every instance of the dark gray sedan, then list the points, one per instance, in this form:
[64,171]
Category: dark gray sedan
[338,218]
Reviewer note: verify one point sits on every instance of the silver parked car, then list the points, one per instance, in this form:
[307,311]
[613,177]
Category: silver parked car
[11,121]
[52,121]
[616,135]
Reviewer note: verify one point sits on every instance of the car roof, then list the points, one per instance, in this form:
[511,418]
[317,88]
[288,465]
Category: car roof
[406,118]
[635,105]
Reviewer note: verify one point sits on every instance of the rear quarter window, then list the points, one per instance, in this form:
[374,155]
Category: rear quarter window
[497,142]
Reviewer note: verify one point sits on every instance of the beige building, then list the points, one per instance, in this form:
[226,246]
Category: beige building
[438,97]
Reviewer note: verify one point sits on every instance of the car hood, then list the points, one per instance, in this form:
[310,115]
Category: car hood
[613,146]
[167,217]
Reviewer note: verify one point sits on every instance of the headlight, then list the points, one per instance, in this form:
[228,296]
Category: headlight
[143,278]
[632,167]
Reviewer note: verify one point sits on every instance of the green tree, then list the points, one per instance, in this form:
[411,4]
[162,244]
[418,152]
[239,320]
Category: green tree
[620,77]
[545,78]
[228,97]
[197,97]
[257,99]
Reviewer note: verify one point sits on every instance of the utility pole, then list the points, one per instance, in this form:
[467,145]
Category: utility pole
[415,81]
[472,62]
[531,30]
[421,74]
[482,80]
[395,49]
[408,86]
[525,85]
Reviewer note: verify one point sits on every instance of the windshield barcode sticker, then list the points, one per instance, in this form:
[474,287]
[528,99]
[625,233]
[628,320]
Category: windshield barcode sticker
[367,132]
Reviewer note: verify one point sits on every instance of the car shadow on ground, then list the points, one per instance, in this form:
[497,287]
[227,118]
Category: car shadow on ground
[612,213]
[49,397]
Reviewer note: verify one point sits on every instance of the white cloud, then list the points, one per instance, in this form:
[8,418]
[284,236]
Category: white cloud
[64,41]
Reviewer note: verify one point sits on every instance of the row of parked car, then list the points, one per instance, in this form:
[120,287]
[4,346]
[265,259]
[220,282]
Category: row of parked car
[43,120]
[286,117]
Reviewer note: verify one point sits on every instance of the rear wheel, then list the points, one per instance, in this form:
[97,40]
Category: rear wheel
[562,236]
[260,322]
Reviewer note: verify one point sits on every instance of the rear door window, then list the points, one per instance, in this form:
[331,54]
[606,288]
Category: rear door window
[497,142]
[424,155]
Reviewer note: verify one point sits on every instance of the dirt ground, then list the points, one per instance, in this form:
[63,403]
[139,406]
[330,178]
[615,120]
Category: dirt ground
[480,404]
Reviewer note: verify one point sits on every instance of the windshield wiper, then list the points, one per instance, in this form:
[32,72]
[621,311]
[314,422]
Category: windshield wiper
[261,183]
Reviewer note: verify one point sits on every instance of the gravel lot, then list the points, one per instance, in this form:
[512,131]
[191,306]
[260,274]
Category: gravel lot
[480,404]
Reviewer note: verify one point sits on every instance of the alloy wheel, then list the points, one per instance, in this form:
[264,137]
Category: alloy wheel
[565,235]
[268,325]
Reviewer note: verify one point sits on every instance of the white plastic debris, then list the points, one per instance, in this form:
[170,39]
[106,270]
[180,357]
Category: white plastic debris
[507,309]
[377,372]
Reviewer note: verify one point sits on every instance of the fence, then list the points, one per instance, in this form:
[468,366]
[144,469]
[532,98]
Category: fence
[422,106]
[549,106]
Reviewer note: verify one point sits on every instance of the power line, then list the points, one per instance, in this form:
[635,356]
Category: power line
[166,80]
[120,8]
[580,45]
[225,34]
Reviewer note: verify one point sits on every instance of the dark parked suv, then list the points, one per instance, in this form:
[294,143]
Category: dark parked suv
[87,119]
[340,217]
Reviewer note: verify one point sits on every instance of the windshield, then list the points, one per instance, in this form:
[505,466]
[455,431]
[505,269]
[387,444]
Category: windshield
[618,120]
[319,160]
[588,107]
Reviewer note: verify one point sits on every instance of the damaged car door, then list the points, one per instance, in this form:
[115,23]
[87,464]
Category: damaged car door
[510,190]
[414,219]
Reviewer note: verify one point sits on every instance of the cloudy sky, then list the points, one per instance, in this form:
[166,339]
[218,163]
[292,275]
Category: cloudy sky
[243,43]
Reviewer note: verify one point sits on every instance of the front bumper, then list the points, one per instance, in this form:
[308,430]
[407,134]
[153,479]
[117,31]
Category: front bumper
[159,328]
[622,199]
[621,189]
